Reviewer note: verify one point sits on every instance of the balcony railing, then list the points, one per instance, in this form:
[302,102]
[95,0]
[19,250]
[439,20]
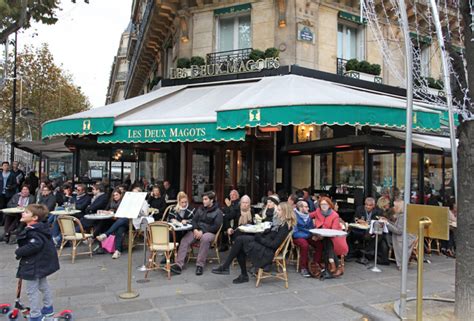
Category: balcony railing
[229,55]
[341,66]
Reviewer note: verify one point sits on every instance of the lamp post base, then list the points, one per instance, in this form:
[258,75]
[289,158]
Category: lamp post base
[129,295]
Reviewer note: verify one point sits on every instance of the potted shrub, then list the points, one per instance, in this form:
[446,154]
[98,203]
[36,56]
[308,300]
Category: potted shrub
[256,54]
[183,63]
[435,86]
[363,70]
[272,53]
[197,61]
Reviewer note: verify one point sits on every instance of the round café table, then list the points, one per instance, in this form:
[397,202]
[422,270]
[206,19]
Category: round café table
[13,210]
[64,212]
[97,216]
[181,227]
[253,229]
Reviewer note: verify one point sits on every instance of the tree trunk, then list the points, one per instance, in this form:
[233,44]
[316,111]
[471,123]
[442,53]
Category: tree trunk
[465,229]
[464,309]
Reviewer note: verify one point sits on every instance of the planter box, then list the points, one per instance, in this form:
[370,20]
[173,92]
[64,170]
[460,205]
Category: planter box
[363,76]
[435,92]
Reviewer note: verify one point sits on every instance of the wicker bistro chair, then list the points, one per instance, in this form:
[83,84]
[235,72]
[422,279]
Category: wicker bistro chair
[280,261]
[159,241]
[294,256]
[165,213]
[67,225]
[214,245]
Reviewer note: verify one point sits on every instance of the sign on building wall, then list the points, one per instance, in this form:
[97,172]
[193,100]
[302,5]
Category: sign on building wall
[305,33]
[236,66]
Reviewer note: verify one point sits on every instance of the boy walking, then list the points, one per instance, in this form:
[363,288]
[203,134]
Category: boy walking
[38,259]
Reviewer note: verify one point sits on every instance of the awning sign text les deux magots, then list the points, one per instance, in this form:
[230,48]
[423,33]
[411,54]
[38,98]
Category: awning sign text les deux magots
[225,68]
[166,133]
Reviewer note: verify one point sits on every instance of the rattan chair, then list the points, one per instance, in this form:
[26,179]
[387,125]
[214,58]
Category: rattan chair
[68,224]
[165,213]
[280,261]
[159,241]
[214,245]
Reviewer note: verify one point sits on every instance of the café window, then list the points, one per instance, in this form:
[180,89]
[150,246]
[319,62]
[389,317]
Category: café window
[433,174]
[448,178]
[350,41]
[234,32]
[400,163]
[323,171]
[307,133]
[202,173]
[94,164]
[300,172]
[349,171]
[153,166]
[383,171]
[421,59]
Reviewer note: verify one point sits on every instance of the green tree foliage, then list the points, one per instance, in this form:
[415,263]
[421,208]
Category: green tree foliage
[11,12]
[46,89]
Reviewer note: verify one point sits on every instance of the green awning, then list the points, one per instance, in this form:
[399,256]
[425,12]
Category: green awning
[198,132]
[444,119]
[234,9]
[324,115]
[351,17]
[79,126]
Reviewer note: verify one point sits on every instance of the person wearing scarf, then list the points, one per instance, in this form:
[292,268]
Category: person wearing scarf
[267,212]
[22,199]
[328,249]
[243,216]
[181,213]
[302,237]
[206,223]
[259,248]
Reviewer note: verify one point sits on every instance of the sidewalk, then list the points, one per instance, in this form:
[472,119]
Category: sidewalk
[90,287]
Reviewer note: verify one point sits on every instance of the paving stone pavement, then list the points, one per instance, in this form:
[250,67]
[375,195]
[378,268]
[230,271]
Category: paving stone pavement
[90,287]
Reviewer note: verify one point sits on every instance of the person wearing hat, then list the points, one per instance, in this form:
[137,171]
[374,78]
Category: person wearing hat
[269,209]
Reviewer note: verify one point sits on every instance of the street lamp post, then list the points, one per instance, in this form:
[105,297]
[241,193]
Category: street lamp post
[13,129]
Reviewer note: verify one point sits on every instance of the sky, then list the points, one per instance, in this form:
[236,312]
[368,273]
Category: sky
[84,41]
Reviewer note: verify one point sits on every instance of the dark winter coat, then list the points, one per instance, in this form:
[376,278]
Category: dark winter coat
[208,219]
[188,214]
[36,252]
[49,201]
[14,200]
[261,251]
[159,203]
[232,220]
[11,186]
[100,203]
[82,202]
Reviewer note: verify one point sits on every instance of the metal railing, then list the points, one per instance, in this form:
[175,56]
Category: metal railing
[229,55]
[341,66]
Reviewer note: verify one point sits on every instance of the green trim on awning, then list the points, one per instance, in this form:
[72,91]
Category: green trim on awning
[325,115]
[444,119]
[421,39]
[199,132]
[80,126]
[233,9]
[351,17]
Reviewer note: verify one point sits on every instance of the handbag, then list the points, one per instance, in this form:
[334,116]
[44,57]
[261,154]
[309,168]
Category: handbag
[109,244]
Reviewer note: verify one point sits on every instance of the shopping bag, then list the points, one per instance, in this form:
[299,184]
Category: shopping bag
[109,244]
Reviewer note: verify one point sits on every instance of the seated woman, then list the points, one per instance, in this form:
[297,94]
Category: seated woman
[182,213]
[301,235]
[328,249]
[268,210]
[47,198]
[102,225]
[397,232]
[259,248]
[243,216]
[156,201]
[448,247]
[22,199]
[120,227]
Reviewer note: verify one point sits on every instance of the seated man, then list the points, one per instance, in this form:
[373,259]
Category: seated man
[206,223]
[364,214]
[302,237]
[98,202]
[82,200]
[168,192]
[230,211]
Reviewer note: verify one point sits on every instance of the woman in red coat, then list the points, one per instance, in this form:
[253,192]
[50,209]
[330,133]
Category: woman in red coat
[326,217]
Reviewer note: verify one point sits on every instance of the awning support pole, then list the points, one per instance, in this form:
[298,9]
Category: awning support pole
[449,96]
[408,151]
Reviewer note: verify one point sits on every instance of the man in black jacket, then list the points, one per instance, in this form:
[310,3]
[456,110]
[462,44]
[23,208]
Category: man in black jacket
[206,223]
[8,185]
[99,202]
[230,212]
[18,173]
[38,259]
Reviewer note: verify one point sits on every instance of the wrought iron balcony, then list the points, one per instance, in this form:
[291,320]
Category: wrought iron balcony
[341,66]
[229,55]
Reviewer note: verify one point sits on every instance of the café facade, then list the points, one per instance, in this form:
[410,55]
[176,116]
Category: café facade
[277,128]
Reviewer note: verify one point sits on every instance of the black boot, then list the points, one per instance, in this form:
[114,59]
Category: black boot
[221,270]
[241,279]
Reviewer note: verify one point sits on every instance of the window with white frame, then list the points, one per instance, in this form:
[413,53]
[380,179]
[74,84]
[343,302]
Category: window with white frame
[234,32]
[350,41]
[422,59]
